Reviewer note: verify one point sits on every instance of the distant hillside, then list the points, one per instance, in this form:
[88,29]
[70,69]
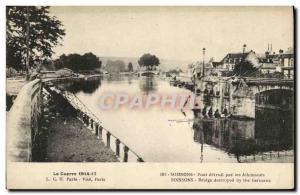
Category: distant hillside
[165,64]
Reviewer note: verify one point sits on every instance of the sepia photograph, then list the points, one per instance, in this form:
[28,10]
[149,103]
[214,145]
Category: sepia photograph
[148,85]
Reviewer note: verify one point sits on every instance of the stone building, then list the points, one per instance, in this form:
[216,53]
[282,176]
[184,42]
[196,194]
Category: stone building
[231,59]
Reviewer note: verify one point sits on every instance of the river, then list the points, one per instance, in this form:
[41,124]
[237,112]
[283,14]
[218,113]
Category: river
[161,134]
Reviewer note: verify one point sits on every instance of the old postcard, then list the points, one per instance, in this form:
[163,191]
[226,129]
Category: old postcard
[150,97]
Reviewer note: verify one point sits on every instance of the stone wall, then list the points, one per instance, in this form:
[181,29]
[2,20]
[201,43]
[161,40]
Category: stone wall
[23,121]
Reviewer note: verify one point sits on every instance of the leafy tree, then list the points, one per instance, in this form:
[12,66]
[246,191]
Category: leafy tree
[31,33]
[148,61]
[61,61]
[78,63]
[244,68]
[130,67]
[115,66]
[91,61]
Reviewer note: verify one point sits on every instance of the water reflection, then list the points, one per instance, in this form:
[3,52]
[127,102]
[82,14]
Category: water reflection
[148,84]
[115,78]
[240,137]
[89,86]
[274,128]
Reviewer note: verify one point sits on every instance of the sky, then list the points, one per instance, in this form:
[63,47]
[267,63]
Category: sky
[177,33]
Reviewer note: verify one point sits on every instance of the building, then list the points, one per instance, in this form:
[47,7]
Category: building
[228,63]
[282,62]
[287,63]
[268,68]
[218,69]
[231,59]
[269,63]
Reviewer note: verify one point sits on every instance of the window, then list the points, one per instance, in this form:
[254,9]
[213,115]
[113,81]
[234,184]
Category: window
[292,62]
[286,62]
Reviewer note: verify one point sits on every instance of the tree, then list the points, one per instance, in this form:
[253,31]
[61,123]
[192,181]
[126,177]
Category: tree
[245,69]
[130,67]
[148,61]
[77,63]
[91,61]
[115,66]
[31,33]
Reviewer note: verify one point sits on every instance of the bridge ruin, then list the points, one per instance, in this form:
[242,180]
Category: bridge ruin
[240,97]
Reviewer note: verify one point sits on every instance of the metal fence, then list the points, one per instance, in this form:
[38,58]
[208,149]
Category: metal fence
[121,149]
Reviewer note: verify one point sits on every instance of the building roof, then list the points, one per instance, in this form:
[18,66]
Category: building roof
[239,55]
[236,55]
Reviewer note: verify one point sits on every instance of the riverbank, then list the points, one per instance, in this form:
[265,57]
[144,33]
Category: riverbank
[70,141]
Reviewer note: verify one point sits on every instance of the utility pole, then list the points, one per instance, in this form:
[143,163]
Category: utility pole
[203,50]
[27,43]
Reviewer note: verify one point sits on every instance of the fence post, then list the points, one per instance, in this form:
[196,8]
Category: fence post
[92,124]
[87,121]
[84,119]
[100,132]
[126,149]
[108,139]
[118,147]
[96,129]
